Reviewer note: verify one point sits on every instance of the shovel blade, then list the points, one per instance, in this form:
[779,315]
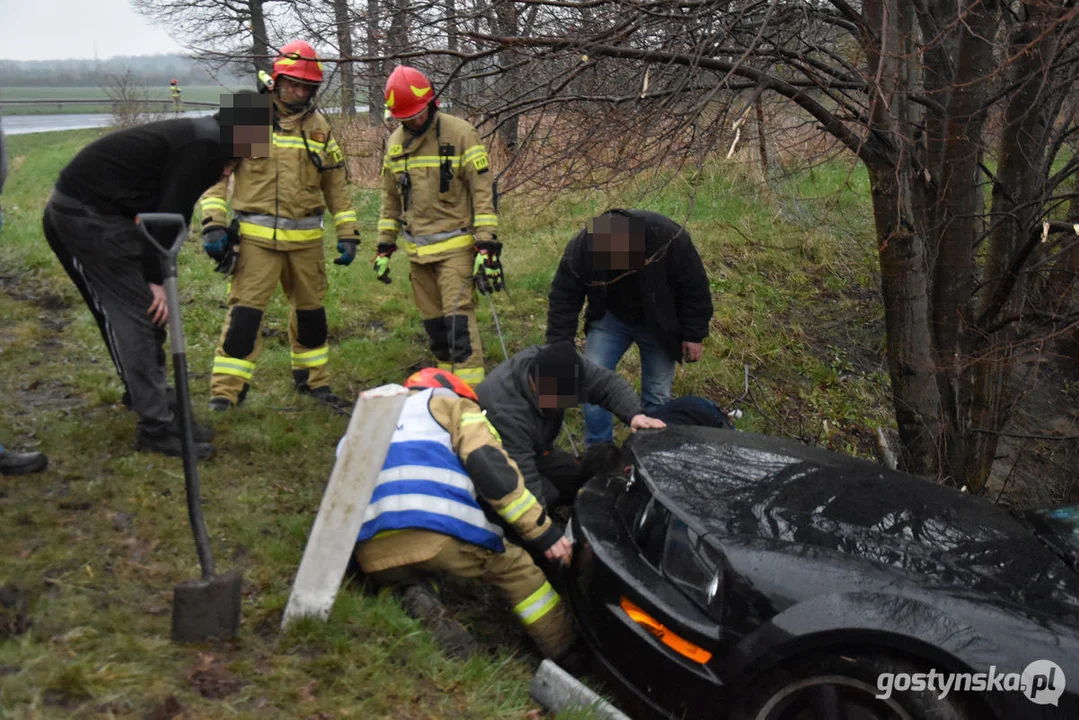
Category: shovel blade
[204,609]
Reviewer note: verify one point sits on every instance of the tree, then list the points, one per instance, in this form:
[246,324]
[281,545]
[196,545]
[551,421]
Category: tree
[940,100]
[217,29]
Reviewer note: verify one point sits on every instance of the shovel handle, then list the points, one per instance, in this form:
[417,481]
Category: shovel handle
[147,222]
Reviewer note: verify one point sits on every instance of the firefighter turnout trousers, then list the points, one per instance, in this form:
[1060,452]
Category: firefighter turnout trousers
[446,299]
[535,603]
[301,271]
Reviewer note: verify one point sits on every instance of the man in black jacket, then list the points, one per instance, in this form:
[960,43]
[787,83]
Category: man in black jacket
[526,397]
[645,284]
[89,223]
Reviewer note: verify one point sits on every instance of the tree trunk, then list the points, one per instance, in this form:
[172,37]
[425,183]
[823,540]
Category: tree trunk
[259,42]
[344,44]
[507,87]
[957,231]
[900,246]
[453,43]
[376,78]
[1017,202]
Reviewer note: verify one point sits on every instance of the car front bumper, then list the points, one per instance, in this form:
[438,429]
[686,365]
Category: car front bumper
[608,567]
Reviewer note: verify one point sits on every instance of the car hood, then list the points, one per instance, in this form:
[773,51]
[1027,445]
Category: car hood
[738,484]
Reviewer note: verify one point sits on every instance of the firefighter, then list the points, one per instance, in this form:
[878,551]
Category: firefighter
[279,202]
[177,101]
[445,487]
[437,193]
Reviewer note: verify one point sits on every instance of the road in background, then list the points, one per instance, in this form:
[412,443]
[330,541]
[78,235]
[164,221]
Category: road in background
[24,124]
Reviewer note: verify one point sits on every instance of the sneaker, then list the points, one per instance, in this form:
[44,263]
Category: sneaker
[16,463]
[168,442]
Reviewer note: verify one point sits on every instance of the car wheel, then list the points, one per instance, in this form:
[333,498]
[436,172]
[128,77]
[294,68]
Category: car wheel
[840,687]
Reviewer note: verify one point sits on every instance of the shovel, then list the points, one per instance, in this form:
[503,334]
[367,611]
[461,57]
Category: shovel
[210,606]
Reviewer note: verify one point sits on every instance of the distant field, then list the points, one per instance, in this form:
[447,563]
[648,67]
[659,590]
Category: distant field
[198,93]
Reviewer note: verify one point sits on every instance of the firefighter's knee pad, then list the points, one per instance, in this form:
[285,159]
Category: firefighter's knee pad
[440,343]
[243,330]
[311,327]
[458,338]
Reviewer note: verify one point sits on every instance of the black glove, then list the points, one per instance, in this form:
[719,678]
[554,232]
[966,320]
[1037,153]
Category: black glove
[487,269]
[347,248]
[215,242]
[381,261]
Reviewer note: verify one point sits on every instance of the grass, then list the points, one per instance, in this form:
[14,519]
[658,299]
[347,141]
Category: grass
[194,93]
[98,541]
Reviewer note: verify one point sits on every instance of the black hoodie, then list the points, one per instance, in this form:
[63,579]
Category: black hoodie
[674,293]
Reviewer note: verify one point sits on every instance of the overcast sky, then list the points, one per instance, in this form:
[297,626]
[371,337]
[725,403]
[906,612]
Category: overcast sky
[59,29]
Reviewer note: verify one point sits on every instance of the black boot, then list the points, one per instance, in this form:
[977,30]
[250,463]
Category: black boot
[421,602]
[220,403]
[323,394]
[16,463]
[168,441]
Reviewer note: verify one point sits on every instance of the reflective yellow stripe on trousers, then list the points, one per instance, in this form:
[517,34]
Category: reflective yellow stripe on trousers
[536,605]
[312,358]
[473,376]
[233,366]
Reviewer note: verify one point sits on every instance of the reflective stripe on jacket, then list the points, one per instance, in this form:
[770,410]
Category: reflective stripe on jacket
[437,222]
[281,199]
[423,484]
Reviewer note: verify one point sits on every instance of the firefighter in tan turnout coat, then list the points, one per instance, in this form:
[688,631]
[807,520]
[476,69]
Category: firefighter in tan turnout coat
[444,471]
[437,195]
[278,202]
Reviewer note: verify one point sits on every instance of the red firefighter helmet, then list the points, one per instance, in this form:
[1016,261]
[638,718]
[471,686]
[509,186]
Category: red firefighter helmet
[438,378]
[298,61]
[408,91]
[174,81]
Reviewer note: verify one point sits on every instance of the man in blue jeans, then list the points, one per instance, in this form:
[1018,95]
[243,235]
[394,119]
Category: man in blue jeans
[645,284]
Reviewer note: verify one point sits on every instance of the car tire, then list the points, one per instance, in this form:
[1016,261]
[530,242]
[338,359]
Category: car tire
[812,688]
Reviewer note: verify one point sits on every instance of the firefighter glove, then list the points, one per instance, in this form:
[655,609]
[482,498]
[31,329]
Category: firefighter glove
[347,248]
[487,269]
[381,262]
[215,241]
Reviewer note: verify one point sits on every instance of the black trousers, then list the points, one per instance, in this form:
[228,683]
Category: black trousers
[103,257]
[562,475]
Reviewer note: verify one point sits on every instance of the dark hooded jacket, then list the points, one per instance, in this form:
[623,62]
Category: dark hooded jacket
[527,430]
[674,292]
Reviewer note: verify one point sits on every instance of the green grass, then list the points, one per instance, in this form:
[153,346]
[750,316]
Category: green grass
[101,537]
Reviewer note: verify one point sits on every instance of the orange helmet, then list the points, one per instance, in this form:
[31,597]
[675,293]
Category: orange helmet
[408,92]
[438,378]
[298,61]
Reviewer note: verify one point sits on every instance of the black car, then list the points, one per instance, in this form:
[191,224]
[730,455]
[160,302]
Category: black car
[730,575]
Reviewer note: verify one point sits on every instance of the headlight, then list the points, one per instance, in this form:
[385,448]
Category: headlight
[694,566]
[645,520]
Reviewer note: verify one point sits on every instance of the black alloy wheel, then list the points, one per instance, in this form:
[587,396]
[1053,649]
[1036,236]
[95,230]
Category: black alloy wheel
[830,697]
